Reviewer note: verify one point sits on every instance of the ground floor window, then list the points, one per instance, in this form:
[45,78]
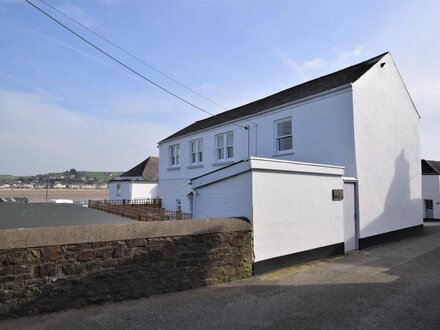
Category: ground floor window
[429,212]
[428,204]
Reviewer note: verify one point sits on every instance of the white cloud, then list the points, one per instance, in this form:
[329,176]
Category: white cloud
[303,69]
[79,15]
[347,57]
[314,64]
[39,135]
[315,67]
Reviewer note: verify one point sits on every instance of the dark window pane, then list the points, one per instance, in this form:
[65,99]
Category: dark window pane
[285,143]
[230,152]
[229,139]
[284,128]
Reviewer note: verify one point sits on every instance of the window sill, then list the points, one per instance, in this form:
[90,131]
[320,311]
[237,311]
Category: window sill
[285,153]
[195,166]
[223,162]
[173,168]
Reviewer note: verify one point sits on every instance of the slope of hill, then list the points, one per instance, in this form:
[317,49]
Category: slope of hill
[68,178]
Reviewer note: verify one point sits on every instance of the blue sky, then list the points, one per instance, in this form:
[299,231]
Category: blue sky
[64,105]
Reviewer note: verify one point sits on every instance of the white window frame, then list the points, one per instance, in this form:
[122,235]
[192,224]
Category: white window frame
[225,148]
[118,189]
[277,137]
[196,152]
[174,155]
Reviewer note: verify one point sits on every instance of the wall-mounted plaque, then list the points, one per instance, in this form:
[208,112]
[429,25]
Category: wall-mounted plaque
[338,194]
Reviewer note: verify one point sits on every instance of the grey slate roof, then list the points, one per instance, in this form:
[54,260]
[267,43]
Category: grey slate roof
[309,88]
[32,215]
[430,167]
[148,170]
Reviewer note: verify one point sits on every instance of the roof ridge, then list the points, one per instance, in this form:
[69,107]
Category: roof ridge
[306,89]
[373,59]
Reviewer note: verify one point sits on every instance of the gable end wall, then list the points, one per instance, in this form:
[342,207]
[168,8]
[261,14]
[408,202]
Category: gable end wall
[387,147]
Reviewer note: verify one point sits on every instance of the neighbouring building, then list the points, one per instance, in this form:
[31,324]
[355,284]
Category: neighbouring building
[431,188]
[332,162]
[140,182]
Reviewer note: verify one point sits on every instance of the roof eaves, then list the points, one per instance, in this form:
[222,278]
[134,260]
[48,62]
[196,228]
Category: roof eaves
[294,103]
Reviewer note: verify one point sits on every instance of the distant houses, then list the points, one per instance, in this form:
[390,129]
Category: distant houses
[64,180]
[56,185]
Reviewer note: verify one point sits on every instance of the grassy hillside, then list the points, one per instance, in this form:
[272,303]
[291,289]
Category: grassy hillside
[7,179]
[61,176]
[101,176]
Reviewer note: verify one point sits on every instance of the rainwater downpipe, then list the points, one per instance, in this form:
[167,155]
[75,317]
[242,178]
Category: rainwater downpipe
[248,129]
[195,194]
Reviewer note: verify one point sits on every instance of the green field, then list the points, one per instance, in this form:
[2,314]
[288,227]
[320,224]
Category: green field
[7,179]
[101,176]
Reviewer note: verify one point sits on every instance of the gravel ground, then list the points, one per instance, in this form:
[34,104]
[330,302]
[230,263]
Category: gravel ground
[391,286]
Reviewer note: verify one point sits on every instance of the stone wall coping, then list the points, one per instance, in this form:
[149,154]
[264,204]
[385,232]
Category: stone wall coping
[63,235]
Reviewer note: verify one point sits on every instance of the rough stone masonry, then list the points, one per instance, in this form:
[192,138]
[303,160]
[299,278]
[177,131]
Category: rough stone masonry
[38,279]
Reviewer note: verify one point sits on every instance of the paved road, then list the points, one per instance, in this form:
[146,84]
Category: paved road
[392,286]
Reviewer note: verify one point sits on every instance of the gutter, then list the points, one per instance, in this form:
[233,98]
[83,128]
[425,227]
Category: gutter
[294,103]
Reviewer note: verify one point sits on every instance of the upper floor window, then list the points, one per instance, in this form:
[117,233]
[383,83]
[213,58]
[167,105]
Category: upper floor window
[225,146]
[284,139]
[175,155]
[196,151]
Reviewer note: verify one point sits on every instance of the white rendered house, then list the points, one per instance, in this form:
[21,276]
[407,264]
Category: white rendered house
[140,182]
[431,189]
[360,119]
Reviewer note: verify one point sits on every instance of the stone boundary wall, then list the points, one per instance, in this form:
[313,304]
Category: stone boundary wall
[50,269]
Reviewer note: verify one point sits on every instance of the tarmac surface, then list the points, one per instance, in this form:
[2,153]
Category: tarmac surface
[391,286]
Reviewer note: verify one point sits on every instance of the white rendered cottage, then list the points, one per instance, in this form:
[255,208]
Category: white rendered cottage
[140,182]
[431,188]
[356,129]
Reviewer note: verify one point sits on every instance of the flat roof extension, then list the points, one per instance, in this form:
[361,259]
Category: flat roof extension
[32,215]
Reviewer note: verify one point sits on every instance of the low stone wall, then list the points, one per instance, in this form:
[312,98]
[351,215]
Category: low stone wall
[144,259]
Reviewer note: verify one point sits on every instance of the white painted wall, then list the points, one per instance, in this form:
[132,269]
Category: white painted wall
[290,204]
[173,189]
[387,152]
[431,190]
[133,190]
[125,190]
[227,198]
[322,133]
[143,190]
[293,210]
